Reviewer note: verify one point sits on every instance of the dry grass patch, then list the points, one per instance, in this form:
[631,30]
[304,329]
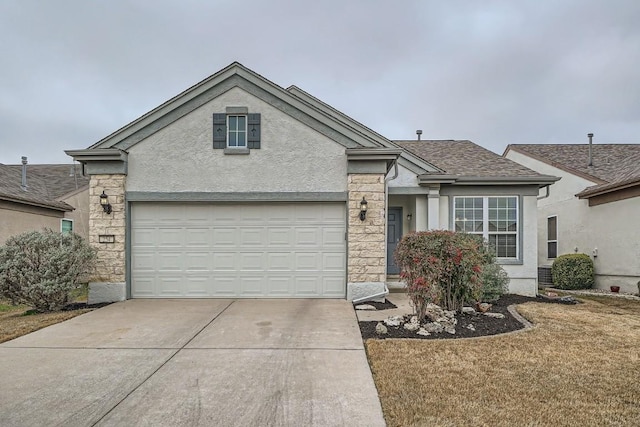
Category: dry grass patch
[14,324]
[15,320]
[579,366]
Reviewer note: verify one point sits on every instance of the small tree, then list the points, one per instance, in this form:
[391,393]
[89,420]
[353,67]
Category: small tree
[40,268]
[443,267]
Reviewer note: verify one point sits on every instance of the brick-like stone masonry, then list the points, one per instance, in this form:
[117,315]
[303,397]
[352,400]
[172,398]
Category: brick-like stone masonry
[366,239]
[110,265]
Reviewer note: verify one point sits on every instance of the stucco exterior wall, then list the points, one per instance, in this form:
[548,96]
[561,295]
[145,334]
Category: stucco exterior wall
[405,178]
[80,216]
[17,218]
[292,157]
[611,227]
[524,277]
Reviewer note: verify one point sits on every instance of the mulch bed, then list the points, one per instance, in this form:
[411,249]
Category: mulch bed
[386,305]
[484,325]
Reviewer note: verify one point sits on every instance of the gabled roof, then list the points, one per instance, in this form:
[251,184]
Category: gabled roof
[464,159]
[46,184]
[313,112]
[614,166]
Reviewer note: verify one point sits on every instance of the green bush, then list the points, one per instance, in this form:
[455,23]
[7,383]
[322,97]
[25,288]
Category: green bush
[443,267]
[495,282]
[573,271]
[41,268]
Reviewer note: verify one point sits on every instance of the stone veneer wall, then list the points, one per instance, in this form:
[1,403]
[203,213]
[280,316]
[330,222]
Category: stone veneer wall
[366,239]
[111,256]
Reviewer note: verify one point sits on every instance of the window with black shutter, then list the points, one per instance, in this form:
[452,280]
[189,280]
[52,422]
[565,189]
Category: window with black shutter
[237,129]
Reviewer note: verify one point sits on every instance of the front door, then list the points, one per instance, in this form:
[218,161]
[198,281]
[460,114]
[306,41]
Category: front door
[394,233]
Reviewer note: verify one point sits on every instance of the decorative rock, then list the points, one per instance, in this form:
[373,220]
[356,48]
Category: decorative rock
[483,307]
[365,307]
[381,329]
[449,314]
[423,332]
[569,300]
[471,327]
[393,321]
[469,310]
[450,329]
[433,327]
[434,312]
[412,326]
[495,315]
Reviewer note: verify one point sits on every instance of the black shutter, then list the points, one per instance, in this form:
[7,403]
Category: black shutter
[253,130]
[219,130]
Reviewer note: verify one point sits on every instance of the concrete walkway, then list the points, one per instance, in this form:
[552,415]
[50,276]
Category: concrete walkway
[193,363]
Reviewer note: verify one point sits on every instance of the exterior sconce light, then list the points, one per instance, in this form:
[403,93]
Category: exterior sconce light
[363,209]
[409,216]
[104,202]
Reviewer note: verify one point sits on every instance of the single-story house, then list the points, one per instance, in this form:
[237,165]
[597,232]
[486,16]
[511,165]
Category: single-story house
[238,187]
[33,197]
[593,209]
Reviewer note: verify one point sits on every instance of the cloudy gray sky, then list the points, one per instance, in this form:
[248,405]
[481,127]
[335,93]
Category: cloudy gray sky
[495,72]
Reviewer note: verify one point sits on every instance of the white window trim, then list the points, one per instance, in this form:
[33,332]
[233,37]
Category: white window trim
[485,222]
[69,220]
[552,241]
[246,132]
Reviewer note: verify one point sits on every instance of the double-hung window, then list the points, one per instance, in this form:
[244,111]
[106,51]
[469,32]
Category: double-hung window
[237,131]
[493,218]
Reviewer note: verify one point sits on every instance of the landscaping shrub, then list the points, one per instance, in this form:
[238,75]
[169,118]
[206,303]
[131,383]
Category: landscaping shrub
[573,271]
[40,268]
[442,267]
[495,282]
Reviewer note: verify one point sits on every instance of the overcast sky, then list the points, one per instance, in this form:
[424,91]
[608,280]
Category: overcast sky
[494,72]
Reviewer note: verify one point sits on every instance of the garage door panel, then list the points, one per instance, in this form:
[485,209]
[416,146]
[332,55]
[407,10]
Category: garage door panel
[243,250]
[252,286]
[279,261]
[251,237]
[307,236]
[251,261]
[170,237]
[280,237]
[307,261]
[279,285]
[333,262]
[196,261]
[224,237]
[224,261]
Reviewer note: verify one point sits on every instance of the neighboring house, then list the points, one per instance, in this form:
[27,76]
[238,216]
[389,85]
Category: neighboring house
[593,209]
[238,187]
[33,197]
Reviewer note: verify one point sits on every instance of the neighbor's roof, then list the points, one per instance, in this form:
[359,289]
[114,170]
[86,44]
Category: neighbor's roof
[614,165]
[45,184]
[465,158]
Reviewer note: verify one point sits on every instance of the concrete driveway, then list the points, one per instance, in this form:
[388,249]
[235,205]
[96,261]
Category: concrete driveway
[193,363]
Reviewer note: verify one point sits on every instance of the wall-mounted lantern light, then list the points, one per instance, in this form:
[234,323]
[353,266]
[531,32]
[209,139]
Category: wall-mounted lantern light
[363,209]
[409,216]
[104,202]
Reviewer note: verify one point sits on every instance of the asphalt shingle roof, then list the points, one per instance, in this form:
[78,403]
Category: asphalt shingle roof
[464,158]
[45,184]
[613,164]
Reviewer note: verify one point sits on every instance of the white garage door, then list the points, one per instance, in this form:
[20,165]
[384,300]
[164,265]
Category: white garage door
[272,250]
